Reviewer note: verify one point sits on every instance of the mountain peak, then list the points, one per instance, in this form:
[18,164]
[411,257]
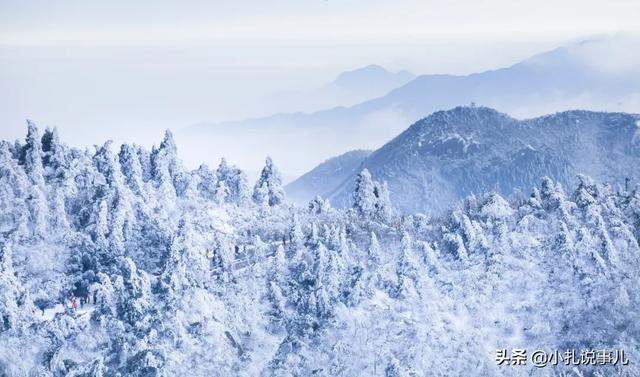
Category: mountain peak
[463,115]
[363,77]
[371,69]
[469,110]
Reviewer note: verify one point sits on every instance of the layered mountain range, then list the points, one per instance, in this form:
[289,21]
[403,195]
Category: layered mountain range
[347,89]
[575,76]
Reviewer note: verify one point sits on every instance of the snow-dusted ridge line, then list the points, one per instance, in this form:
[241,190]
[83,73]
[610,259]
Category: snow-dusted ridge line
[450,154]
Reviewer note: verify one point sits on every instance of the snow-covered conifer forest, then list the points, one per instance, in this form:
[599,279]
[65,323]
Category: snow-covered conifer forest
[118,261]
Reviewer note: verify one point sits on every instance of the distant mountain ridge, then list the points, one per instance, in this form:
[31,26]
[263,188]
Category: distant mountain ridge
[348,88]
[371,79]
[451,154]
[580,75]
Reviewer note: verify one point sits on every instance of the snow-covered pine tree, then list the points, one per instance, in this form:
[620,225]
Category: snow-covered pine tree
[278,266]
[184,267]
[261,196]
[116,196]
[169,150]
[361,284]
[259,257]
[383,207]
[464,236]
[430,258]
[407,267]
[164,169]
[58,221]
[55,156]
[373,253]
[343,247]
[320,262]
[334,277]
[132,170]
[232,184]
[144,156]
[277,303]
[38,211]
[9,311]
[296,238]
[132,292]
[98,225]
[14,190]
[318,206]
[31,158]
[270,185]
[32,155]
[208,182]
[223,260]
[364,199]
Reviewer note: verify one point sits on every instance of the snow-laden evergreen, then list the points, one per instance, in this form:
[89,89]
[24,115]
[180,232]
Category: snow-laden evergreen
[119,262]
[268,190]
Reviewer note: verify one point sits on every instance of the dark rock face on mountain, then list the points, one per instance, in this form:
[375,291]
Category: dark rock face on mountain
[323,179]
[455,153]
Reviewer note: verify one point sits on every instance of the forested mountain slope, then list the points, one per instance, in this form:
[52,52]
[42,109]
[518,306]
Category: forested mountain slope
[450,154]
[121,262]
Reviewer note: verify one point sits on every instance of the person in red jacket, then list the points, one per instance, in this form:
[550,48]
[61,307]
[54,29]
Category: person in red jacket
[74,303]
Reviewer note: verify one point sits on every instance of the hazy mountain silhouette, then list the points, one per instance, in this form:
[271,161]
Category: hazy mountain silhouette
[601,74]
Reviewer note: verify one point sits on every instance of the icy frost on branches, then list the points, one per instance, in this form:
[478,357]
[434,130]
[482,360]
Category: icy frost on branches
[129,264]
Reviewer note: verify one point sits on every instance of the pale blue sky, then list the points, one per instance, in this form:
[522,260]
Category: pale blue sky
[153,21]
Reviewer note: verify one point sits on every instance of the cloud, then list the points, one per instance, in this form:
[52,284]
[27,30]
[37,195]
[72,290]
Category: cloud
[619,54]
